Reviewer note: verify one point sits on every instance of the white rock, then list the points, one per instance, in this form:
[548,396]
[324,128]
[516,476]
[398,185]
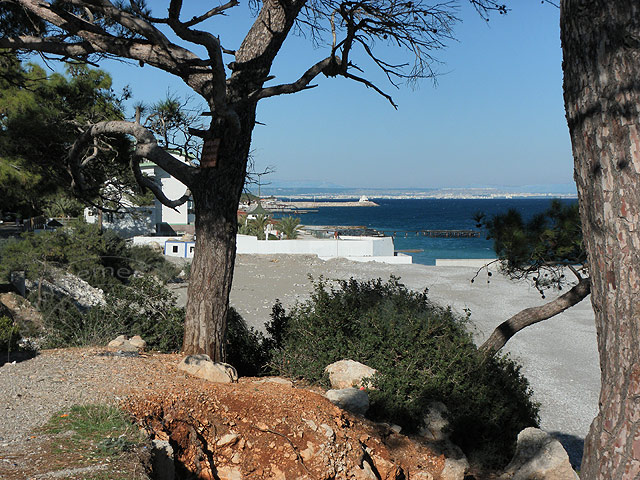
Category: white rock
[348,373]
[116,342]
[539,457]
[138,342]
[203,367]
[229,473]
[228,439]
[351,399]
[435,422]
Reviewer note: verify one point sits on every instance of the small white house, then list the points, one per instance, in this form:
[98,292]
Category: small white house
[179,248]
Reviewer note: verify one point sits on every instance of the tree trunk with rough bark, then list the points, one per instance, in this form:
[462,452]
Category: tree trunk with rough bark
[216,195]
[533,315]
[601,47]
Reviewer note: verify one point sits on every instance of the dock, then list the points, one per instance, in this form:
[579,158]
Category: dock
[433,233]
[315,205]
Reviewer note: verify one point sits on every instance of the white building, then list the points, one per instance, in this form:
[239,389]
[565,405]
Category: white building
[151,220]
[169,221]
[358,249]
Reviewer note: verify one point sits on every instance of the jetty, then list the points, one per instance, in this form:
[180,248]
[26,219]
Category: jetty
[297,205]
[433,233]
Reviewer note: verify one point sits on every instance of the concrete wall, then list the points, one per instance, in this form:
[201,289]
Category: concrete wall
[141,221]
[360,249]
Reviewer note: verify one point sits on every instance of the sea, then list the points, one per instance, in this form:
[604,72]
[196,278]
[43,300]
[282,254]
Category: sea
[404,219]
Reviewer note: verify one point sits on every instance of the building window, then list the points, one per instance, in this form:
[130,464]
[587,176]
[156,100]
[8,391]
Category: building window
[190,249]
[175,249]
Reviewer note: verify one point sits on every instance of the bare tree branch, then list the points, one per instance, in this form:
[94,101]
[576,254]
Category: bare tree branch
[368,84]
[217,99]
[532,315]
[146,146]
[145,182]
[301,84]
[219,10]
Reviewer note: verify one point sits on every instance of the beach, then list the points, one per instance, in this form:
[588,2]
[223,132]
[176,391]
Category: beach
[559,356]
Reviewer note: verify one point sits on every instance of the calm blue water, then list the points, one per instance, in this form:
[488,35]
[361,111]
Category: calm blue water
[405,217]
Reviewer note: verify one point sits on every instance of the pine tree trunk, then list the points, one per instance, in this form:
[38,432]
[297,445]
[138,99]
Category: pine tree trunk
[216,194]
[601,46]
[210,281]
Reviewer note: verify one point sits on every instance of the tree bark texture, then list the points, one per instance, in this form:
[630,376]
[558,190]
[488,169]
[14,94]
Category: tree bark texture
[533,315]
[216,195]
[601,47]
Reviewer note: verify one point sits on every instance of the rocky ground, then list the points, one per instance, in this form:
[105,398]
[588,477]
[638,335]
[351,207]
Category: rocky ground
[255,429]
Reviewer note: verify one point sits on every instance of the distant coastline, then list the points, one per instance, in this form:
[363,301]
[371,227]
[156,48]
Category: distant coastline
[440,195]
[457,193]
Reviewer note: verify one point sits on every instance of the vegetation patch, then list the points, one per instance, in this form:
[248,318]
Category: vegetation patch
[95,436]
[423,353]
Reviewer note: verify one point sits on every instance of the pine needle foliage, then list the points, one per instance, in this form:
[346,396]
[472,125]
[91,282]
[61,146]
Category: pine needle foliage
[540,248]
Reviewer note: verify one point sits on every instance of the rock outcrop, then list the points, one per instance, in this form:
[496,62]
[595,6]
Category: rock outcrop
[539,457]
[351,399]
[64,284]
[202,366]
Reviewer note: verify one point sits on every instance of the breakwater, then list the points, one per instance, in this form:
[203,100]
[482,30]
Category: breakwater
[314,205]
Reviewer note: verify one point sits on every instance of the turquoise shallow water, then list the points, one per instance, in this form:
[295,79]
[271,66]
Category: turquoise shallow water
[403,219]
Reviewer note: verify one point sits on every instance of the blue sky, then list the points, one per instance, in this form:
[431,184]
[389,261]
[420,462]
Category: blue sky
[495,117]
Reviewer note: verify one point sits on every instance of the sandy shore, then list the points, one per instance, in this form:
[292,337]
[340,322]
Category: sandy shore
[559,356]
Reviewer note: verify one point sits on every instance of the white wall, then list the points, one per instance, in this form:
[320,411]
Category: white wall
[360,249]
[140,221]
[356,248]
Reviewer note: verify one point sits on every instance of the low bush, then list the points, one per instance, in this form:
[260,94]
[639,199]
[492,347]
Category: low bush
[422,352]
[247,349]
[9,335]
[143,307]
[100,257]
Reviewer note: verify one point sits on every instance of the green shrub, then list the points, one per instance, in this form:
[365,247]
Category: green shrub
[422,352]
[143,307]
[247,349]
[9,335]
[101,258]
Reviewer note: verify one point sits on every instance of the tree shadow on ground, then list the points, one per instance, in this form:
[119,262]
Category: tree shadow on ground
[19,356]
[573,445]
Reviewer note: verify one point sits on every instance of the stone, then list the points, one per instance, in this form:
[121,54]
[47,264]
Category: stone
[118,341]
[351,399]
[229,473]
[539,457]
[162,460]
[121,344]
[138,342]
[348,373]
[436,423]
[328,431]
[202,366]
[228,439]
[454,468]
